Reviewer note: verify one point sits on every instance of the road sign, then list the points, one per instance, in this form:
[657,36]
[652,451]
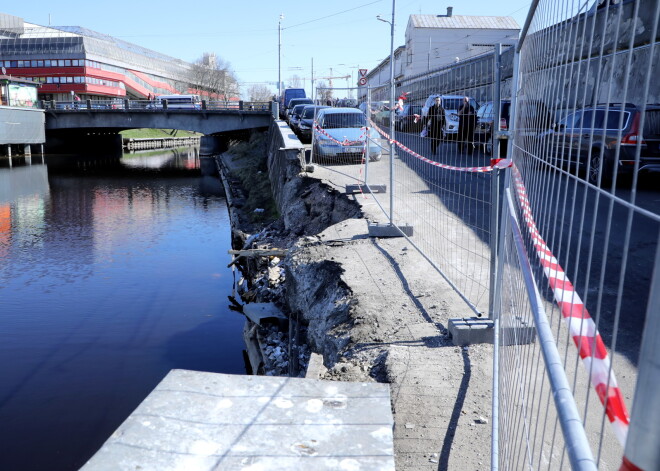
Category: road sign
[363,72]
[362,81]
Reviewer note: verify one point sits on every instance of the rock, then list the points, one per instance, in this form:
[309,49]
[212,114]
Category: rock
[481,420]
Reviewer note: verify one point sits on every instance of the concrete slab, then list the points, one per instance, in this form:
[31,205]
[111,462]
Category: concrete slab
[256,312]
[198,421]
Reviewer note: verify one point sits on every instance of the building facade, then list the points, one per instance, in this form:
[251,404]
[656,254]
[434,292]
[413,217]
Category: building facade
[433,41]
[68,60]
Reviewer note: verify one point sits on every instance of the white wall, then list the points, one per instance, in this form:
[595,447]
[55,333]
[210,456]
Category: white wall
[430,48]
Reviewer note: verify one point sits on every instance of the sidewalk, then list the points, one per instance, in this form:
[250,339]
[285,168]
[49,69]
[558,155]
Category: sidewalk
[441,394]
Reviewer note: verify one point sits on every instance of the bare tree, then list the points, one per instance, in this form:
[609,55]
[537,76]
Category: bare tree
[213,78]
[259,93]
[324,94]
[295,81]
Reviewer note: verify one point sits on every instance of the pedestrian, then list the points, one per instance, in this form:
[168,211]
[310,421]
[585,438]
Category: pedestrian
[467,122]
[435,124]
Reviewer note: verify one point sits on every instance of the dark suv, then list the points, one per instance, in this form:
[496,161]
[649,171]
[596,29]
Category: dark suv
[409,119]
[587,136]
[484,131]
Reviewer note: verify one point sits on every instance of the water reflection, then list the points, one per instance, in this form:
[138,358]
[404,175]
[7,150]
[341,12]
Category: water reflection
[110,276]
[180,157]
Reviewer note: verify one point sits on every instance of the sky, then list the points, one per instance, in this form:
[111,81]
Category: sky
[339,37]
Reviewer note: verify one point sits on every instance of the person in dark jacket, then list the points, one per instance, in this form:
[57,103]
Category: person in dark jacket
[467,121]
[435,123]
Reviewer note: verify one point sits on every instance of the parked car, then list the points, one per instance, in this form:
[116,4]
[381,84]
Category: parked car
[307,122]
[409,119]
[347,103]
[342,136]
[294,117]
[483,133]
[595,133]
[292,103]
[451,104]
[287,96]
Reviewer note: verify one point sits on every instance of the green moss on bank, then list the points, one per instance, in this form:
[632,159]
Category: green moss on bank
[249,165]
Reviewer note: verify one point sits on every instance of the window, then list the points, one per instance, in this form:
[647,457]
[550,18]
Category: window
[60,62]
[40,63]
[67,63]
[47,63]
[33,63]
[613,117]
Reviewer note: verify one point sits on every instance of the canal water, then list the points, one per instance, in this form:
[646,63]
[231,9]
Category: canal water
[113,271]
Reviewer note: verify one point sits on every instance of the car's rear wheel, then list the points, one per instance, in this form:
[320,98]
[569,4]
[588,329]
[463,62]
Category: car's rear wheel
[595,169]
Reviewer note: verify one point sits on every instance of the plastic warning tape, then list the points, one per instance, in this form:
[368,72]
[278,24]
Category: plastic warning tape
[582,328]
[426,160]
[358,142]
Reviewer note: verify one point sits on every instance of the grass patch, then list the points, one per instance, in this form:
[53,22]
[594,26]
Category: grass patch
[253,173]
[156,133]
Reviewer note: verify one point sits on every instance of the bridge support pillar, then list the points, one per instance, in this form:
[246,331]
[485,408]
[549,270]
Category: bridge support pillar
[27,150]
[7,149]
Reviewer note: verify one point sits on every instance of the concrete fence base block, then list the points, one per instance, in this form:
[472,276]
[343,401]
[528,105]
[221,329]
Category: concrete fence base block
[468,331]
[471,331]
[388,230]
[352,189]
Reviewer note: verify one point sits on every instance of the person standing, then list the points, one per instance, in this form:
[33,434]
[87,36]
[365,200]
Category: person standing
[467,122]
[436,123]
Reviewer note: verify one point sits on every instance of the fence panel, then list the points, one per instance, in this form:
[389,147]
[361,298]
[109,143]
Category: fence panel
[584,153]
[442,178]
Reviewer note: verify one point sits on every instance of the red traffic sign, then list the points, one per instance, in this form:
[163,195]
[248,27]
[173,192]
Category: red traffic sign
[362,81]
[363,72]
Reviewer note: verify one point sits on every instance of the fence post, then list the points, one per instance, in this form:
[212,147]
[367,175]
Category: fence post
[495,197]
[514,105]
[642,451]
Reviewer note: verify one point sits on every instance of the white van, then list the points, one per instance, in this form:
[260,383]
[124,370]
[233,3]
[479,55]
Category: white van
[179,102]
[451,104]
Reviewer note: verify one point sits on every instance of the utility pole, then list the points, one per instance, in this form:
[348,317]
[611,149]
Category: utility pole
[279,56]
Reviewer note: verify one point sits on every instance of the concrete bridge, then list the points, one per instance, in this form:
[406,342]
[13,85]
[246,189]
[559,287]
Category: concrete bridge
[204,120]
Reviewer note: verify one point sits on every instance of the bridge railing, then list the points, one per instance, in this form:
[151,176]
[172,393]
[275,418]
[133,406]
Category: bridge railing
[152,105]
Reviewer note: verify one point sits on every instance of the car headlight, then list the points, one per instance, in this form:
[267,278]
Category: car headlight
[304,126]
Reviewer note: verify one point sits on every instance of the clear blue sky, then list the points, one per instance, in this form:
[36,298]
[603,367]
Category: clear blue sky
[342,35]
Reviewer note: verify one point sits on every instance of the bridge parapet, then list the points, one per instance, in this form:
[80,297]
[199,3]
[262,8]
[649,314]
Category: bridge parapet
[210,118]
[117,104]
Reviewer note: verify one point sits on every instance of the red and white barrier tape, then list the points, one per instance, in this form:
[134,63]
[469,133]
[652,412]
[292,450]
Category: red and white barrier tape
[358,142]
[590,345]
[426,160]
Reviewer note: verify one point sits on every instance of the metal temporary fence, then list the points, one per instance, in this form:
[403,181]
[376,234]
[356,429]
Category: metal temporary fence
[562,255]
[579,242]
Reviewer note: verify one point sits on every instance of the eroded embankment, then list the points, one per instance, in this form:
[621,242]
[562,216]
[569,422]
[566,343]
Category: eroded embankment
[373,309]
[307,285]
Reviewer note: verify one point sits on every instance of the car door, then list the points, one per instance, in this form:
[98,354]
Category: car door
[563,153]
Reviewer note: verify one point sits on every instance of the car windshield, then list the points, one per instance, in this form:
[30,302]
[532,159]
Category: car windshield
[452,103]
[344,120]
[308,113]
